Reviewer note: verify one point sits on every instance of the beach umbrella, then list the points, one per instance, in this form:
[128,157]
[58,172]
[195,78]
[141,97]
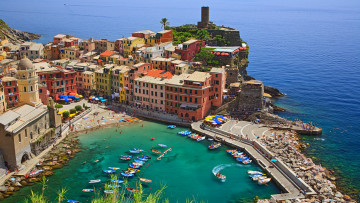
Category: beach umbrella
[77,97]
[94,98]
[66,100]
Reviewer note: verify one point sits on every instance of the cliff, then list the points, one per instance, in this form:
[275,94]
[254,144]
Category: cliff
[15,36]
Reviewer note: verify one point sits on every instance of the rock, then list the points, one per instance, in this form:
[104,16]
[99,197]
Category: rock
[273,91]
[10,189]
[33,180]
[3,188]
[338,195]
[23,183]
[17,184]
[1,196]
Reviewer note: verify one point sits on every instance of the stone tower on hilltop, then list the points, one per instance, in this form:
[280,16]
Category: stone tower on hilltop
[205,16]
[28,83]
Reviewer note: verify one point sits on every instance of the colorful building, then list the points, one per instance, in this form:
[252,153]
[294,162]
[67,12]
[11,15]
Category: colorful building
[162,63]
[103,80]
[130,43]
[143,34]
[86,82]
[123,72]
[189,49]
[103,45]
[87,45]
[136,70]
[2,100]
[11,91]
[105,56]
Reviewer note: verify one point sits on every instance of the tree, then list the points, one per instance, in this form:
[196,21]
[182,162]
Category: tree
[78,108]
[66,114]
[164,22]
[204,56]
[58,106]
[72,111]
[202,34]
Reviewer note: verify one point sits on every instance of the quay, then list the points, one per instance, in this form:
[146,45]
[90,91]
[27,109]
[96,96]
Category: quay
[292,186]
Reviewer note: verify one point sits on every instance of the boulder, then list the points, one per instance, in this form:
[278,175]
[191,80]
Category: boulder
[3,188]
[17,184]
[10,189]
[23,183]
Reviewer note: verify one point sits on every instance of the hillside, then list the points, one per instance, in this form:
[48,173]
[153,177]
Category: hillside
[16,36]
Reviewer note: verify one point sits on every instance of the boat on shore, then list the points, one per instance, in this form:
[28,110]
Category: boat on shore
[72,201]
[220,176]
[215,145]
[125,157]
[95,181]
[88,190]
[115,186]
[117,181]
[264,181]
[259,178]
[156,151]
[144,180]
[134,151]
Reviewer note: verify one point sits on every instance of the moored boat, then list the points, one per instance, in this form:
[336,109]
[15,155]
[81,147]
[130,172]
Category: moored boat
[137,149]
[114,186]
[264,181]
[200,138]
[215,145]
[88,190]
[109,171]
[117,181]
[156,151]
[95,181]
[162,145]
[220,176]
[72,201]
[127,174]
[132,189]
[139,161]
[141,158]
[247,161]
[134,166]
[114,168]
[144,180]
[134,170]
[259,178]
[134,151]
[254,172]
[231,151]
[146,157]
[172,126]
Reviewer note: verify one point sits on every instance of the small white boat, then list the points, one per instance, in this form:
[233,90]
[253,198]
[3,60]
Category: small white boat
[88,190]
[200,138]
[259,178]
[254,172]
[95,181]
[220,176]
[144,180]
[264,181]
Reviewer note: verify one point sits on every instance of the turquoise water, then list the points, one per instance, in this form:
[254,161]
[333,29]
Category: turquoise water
[186,170]
[308,49]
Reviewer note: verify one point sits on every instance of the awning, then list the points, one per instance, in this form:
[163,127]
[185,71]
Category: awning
[189,106]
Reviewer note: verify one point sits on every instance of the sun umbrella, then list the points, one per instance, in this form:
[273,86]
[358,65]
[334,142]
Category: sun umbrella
[273,160]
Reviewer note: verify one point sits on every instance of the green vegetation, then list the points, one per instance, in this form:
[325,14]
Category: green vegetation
[118,195]
[78,108]
[193,33]
[164,23]
[221,41]
[58,106]
[72,111]
[206,57]
[66,114]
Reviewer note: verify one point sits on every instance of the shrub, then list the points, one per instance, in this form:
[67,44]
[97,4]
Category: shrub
[78,108]
[72,111]
[66,114]
[58,106]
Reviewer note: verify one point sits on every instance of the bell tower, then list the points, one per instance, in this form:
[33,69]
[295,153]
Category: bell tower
[28,83]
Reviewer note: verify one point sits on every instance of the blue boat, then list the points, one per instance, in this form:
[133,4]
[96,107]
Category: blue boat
[247,161]
[139,161]
[255,175]
[162,145]
[114,168]
[72,201]
[117,181]
[126,156]
[140,150]
[109,171]
[134,151]
[172,126]
[141,158]
[146,157]
[115,186]
[127,174]
[134,166]
[242,159]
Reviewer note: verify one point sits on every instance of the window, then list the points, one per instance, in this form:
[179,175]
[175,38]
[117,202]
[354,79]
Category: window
[40,90]
[180,98]
[15,97]
[185,98]
[9,90]
[19,137]
[10,99]
[195,100]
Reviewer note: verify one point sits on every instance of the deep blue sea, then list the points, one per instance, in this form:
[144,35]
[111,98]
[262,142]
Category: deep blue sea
[307,49]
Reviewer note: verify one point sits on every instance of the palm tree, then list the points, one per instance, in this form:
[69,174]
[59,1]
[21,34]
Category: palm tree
[164,22]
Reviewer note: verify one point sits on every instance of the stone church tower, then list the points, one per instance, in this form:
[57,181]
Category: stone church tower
[28,83]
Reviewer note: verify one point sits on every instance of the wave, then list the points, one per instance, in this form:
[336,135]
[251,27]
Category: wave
[220,167]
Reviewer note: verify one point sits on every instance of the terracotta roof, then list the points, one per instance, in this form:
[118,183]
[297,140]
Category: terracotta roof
[107,53]
[159,73]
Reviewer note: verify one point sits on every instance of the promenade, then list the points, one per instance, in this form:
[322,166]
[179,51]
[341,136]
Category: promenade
[243,135]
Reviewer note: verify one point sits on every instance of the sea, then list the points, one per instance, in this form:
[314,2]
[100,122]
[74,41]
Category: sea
[307,49]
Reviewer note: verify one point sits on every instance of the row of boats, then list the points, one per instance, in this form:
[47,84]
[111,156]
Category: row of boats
[258,176]
[239,156]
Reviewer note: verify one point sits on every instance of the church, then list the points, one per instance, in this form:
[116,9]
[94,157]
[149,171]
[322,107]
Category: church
[27,130]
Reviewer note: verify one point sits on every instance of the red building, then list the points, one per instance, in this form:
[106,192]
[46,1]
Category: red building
[73,41]
[58,38]
[143,34]
[11,91]
[188,49]
[191,96]
[164,36]
[58,81]
[44,93]
[55,52]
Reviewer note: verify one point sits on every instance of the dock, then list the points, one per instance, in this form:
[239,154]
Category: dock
[292,186]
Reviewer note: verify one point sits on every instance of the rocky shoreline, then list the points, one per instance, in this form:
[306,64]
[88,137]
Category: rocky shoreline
[16,36]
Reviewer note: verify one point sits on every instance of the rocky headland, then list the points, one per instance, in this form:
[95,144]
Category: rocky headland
[15,36]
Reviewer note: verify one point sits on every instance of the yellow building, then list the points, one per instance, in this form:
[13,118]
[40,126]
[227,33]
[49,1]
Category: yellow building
[130,43]
[2,100]
[2,55]
[162,63]
[70,53]
[103,80]
[124,70]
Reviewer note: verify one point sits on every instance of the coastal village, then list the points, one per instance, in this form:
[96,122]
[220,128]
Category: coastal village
[179,75]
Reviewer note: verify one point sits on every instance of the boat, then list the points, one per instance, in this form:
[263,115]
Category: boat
[137,149]
[117,181]
[255,175]
[247,161]
[141,158]
[231,151]
[146,157]
[134,166]
[254,172]
[184,133]
[114,186]
[134,151]
[152,138]
[240,159]
[108,191]
[220,176]
[72,201]
[109,171]
[144,180]
[126,156]
[139,161]
[114,168]
[259,178]
[172,126]
[95,181]
[127,174]
[210,139]
[161,156]
[88,190]
[200,138]
[132,189]
[133,170]
[264,181]
[35,172]
[156,151]
[162,145]
[215,145]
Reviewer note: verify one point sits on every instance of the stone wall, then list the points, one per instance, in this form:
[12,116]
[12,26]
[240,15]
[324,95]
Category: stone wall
[233,36]
[232,75]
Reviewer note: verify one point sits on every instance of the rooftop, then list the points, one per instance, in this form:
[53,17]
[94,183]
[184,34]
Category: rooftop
[107,53]
[198,76]
[178,79]
[132,38]
[7,79]
[223,49]
[59,36]
[217,70]
[159,73]
[190,41]
[164,31]
[154,80]
[254,82]
[163,59]
[36,46]
[138,65]
[146,32]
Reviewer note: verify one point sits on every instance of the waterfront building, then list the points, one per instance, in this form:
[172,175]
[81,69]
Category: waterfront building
[181,68]
[191,96]
[250,99]
[59,38]
[119,45]
[47,51]
[87,45]
[136,70]
[2,100]
[103,80]
[189,49]
[11,91]
[162,63]
[123,72]
[103,45]
[115,86]
[58,80]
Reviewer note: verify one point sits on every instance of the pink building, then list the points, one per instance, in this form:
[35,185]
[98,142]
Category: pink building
[189,48]
[218,81]
[58,38]
[135,71]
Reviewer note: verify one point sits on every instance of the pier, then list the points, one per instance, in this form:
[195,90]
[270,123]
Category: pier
[292,186]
